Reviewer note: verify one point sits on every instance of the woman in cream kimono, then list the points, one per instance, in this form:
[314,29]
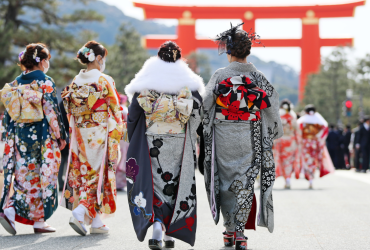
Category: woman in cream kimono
[95,122]
[163,118]
[286,148]
[241,121]
[313,130]
[34,134]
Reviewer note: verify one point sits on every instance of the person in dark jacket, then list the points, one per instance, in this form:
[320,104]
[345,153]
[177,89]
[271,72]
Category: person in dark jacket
[356,158]
[65,151]
[346,141]
[333,144]
[363,143]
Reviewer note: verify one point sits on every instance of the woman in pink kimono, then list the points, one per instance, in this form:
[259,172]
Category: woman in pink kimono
[121,168]
[286,147]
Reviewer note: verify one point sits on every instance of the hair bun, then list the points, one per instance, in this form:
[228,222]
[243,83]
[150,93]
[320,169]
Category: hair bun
[169,52]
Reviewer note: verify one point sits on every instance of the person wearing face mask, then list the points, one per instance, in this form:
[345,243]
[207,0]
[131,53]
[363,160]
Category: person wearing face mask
[96,128]
[34,134]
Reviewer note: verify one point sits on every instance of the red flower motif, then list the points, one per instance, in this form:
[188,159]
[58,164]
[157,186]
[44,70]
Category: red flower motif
[51,155]
[7,149]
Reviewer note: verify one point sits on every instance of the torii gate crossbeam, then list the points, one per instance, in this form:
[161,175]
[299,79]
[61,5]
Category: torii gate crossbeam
[310,43]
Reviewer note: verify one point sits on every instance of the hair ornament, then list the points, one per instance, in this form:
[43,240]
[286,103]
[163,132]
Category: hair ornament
[174,54]
[88,53]
[225,39]
[21,55]
[35,56]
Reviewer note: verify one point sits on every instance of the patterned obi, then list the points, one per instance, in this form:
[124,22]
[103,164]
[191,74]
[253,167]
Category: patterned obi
[23,103]
[86,103]
[166,113]
[239,99]
[310,131]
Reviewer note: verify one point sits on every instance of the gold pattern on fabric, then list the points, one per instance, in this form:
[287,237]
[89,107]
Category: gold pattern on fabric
[23,103]
[311,130]
[166,113]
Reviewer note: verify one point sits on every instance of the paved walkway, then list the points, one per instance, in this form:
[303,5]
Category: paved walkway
[335,215]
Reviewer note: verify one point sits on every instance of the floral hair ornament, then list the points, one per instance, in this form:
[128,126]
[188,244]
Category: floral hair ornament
[225,39]
[21,55]
[35,56]
[88,53]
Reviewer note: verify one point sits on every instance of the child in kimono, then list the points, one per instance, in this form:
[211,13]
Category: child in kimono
[241,121]
[34,134]
[95,121]
[162,121]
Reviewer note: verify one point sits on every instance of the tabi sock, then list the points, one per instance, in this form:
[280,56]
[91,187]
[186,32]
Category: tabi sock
[157,231]
[79,213]
[167,238]
[10,213]
[288,181]
[96,223]
[310,182]
[40,224]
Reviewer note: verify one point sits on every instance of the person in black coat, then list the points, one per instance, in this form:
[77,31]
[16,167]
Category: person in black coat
[346,141]
[333,144]
[356,159]
[363,143]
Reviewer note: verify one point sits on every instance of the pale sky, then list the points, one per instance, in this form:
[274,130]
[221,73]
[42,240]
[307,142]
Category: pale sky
[356,27]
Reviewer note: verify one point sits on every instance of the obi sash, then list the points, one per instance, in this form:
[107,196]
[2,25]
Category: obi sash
[239,99]
[23,103]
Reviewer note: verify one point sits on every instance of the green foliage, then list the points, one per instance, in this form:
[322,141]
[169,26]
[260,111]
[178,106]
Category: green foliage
[327,89]
[126,57]
[199,63]
[18,28]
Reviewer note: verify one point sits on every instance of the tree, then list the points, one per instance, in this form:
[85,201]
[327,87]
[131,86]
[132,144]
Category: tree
[327,89]
[126,57]
[26,21]
[199,63]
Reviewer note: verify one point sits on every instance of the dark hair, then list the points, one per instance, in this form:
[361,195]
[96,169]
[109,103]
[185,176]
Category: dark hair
[309,107]
[348,126]
[332,126]
[169,52]
[99,50]
[26,61]
[366,118]
[243,45]
[286,102]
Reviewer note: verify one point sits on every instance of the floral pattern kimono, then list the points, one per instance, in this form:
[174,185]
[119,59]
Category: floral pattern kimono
[313,130]
[31,127]
[241,121]
[96,127]
[286,148]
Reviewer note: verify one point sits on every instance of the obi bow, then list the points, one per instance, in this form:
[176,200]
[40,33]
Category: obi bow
[166,107]
[23,103]
[238,97]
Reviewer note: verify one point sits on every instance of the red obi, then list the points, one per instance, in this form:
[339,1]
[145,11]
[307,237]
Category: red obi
[240,99]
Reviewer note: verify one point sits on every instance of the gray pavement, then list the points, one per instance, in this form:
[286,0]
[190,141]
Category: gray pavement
[335,215]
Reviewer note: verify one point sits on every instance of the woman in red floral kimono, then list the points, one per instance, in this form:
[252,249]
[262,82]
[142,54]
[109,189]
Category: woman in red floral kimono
[313,130]
[95,121]
[286,147]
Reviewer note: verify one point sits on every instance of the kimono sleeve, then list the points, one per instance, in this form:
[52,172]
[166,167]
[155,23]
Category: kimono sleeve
[4,126]
[209,97]
[51,109]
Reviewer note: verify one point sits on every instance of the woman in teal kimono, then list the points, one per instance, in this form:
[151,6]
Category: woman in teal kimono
[34,134]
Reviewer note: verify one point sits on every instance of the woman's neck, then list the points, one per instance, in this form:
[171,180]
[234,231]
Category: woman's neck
[239,60]
[91,66]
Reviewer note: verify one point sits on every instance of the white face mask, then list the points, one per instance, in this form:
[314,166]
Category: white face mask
[46,69]
[102,66]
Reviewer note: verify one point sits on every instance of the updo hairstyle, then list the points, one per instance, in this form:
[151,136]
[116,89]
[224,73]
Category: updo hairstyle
[98,49]
[309,108]
[243,45]
[169,52]
[286,104]
[28,60]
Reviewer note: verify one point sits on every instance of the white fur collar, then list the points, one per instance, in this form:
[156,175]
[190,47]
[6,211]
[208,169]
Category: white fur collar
[315,118]
[165,77]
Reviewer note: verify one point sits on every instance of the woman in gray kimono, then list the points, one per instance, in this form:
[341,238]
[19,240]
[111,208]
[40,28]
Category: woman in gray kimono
[241,120]
[163,118]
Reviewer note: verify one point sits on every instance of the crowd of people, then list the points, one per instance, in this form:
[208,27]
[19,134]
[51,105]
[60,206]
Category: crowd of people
[152,144]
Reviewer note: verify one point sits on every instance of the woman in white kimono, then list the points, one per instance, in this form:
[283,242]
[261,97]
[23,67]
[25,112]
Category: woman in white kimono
[286,148]
[241,120]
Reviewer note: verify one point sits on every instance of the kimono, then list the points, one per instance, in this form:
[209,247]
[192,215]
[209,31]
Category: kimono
[241,121]
[121,182]
[286,148]
[96,127]
[163,118]
[31,127]
[313,130]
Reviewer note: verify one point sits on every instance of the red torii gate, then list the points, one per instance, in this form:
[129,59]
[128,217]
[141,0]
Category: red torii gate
[310,43]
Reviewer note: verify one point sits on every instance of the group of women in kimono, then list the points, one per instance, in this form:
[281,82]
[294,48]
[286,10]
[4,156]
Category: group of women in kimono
[236,116]
[302,148]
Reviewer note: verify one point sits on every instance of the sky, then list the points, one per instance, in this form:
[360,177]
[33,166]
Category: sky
[356,27]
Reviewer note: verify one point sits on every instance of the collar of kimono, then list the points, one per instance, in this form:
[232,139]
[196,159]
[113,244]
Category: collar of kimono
[37,74]
[242,67]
